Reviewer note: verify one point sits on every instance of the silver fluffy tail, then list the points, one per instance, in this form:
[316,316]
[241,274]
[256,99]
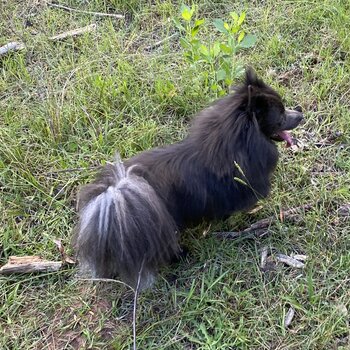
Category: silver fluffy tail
[123,226]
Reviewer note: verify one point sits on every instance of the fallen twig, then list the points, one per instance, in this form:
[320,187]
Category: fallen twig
[105,280]
[65,258]
[247,233]
[136,293]
[255,209]
[290,261]
[264,253]
[29,264]
[13,46]
[87,12]
[71,170]
[160,42]
[258,229]
[74,32]
[300,257]
[289,317]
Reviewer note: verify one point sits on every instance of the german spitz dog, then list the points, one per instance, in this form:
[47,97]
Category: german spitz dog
[131,216]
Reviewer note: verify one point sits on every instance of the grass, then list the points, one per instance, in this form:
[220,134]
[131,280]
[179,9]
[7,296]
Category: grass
[71,104]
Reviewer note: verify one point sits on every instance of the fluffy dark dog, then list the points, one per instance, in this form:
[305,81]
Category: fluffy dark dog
[131,215]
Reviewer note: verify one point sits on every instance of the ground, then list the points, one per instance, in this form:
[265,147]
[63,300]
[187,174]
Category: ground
[66,106]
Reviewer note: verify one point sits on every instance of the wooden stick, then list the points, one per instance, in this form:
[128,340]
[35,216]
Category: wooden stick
[74,32]
[87,12]
[264,254]
[136,293]
[105,280]
[13,46]
[245,234]
[285,259]
[259,228]
[72,170]
[160,42]
[289,317]
[29,264]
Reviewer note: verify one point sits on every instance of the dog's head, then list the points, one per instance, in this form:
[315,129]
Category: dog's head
[265,105]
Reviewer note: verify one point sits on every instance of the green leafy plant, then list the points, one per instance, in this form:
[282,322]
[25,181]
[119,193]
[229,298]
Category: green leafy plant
[215,58]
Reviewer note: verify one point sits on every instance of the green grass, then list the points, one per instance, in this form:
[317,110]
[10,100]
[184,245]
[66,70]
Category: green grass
[71,104]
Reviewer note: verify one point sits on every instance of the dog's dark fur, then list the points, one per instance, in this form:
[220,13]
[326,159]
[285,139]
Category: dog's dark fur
[131,216]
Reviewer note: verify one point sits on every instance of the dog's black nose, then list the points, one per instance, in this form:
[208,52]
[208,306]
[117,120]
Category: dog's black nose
[293,119]
[298,109]
[299,118]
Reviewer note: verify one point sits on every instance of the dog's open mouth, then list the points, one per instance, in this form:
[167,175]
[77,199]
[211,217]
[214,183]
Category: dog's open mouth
[291,121]
[283,136]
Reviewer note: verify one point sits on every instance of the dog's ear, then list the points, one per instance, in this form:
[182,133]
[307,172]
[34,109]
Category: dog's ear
[256,99]
[251,77]
[251,86]
[256,102]
[250,100]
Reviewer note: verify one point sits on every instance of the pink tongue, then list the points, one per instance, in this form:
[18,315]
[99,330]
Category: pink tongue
[286,136]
